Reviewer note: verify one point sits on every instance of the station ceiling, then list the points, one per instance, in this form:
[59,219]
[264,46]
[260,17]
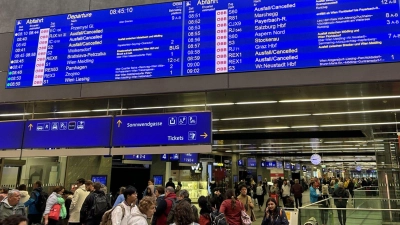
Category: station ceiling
[347,122]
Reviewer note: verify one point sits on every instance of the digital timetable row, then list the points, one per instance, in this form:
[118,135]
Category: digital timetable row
[200,37]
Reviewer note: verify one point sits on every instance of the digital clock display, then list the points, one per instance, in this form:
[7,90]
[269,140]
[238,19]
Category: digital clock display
[201,37]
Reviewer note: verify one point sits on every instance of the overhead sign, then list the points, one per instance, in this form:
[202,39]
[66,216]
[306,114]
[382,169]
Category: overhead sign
[189,158]
[251,162]
[11,134]
[170,157]
[162,129]
[201,37]
[268,164]
[68,133]
[139,157]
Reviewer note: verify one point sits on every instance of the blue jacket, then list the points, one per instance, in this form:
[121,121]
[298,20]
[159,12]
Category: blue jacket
[119,200]
[32,200]
[313,195]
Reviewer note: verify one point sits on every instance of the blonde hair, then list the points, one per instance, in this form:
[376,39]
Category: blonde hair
[146,203]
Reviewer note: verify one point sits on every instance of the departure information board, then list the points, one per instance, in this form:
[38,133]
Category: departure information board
[202,37]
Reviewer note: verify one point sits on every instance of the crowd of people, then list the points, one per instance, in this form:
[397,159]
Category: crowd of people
[89,204]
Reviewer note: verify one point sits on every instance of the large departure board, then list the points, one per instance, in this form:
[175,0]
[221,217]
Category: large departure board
[201,37]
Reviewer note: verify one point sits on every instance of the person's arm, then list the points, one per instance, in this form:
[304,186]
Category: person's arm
[119,200]
[75,199]
[84,210]
[161,208]
[222,208]
[116,215]
[284,220]
[49,204]
[31,200]
[251,204]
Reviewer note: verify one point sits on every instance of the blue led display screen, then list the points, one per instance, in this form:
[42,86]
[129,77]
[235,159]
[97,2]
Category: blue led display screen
[201,37]
[162,129]
[139,157]
[68,133]
[102,179]
[240,162]
[279,164]
[189,158]
[251,162]
[11,134]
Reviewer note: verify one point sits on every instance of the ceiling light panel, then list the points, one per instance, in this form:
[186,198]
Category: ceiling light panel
[265,117]
[339,99]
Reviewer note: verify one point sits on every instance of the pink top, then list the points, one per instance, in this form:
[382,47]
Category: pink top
[233,216]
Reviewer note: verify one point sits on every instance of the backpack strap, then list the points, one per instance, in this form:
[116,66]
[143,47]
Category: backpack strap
[123,210]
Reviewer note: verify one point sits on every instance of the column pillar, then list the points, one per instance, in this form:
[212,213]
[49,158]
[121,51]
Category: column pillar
[234,168]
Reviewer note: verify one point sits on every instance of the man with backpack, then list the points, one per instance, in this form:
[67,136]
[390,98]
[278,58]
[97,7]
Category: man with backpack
[36,203]
[165,206]
[94,206]
[183,195]
[122,212]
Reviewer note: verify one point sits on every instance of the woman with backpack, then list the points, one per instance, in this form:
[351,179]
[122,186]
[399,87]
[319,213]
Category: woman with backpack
[232,208]
[205,211]
[274,215]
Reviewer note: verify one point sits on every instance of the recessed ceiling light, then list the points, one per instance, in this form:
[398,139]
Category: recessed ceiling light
[265,117]
[339,99]
[359,124]
[307,126]
[265,128]
[252,103]
[356,112]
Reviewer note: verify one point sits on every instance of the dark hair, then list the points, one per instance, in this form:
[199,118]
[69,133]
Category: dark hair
[97,186]
[66,192]
[160,190]
[230,194]
[204,205]
[38,183]
[22,187]
[58,189]
[14,220]
[81,180]
[88,182]
[275,212]
[183,213]
[152,180]
[242,186]
[217,189]
[129,191]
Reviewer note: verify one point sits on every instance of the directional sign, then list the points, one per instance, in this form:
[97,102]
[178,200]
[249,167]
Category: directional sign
[142,157]
[11,134]
[68,133]
[163,129]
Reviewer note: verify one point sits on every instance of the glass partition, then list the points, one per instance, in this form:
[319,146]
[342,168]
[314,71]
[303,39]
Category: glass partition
[364,211]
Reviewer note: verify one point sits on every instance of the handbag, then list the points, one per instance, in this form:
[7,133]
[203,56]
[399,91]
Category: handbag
[252,216]
[246,220]
[54,213]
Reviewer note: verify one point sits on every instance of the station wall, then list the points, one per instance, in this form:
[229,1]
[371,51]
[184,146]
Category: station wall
[11,10]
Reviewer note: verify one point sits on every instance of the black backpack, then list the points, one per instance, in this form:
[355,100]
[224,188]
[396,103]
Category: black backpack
[41,199]
[100,205]
[217,218]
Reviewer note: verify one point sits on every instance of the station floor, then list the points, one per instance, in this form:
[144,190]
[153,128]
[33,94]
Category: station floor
[353,217]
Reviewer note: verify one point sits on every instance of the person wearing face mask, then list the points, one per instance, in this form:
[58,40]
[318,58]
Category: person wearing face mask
[274,215]
[145,210]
